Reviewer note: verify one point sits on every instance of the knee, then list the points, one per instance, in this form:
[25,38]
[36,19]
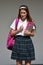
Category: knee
[27,62]
[18,62]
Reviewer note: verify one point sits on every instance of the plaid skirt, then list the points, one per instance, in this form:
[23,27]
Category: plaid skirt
[23,49]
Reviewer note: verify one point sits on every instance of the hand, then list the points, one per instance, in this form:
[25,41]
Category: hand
[26,32]
[21,28]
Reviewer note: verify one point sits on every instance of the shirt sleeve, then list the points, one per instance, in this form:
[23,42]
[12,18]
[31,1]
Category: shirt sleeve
[34,27]
[13,25]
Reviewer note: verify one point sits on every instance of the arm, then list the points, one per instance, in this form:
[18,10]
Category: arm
[28,33]
[14,32]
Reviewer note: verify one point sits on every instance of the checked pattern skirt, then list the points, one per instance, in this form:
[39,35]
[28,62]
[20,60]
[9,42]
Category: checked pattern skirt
[23,49]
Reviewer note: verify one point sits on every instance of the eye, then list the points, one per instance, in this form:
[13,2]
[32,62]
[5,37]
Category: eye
[22,12]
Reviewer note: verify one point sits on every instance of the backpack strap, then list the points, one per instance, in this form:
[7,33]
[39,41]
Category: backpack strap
[17,20]
[30,23]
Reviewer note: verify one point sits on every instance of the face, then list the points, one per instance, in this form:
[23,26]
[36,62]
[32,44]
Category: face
[23,14]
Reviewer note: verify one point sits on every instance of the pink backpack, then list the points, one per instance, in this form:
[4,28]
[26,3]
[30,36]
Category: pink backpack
[11,39]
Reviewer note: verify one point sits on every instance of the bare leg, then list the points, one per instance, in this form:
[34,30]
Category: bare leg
[18,62]
[27,62]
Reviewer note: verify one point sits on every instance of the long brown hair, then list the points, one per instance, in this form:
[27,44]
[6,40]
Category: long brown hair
[27,10]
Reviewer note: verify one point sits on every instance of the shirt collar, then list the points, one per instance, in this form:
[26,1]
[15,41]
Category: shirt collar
[24,20]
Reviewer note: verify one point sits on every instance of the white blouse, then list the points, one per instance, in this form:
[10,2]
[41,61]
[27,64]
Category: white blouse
[20,23]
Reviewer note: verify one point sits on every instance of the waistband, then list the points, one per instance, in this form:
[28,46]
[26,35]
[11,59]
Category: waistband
[22,36]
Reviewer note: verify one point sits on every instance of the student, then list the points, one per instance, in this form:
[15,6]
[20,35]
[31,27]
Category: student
[23,48]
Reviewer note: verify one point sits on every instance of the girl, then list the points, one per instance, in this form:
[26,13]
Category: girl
[23,48]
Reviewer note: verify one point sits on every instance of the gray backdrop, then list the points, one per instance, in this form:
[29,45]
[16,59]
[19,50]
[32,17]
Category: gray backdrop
[8,12]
